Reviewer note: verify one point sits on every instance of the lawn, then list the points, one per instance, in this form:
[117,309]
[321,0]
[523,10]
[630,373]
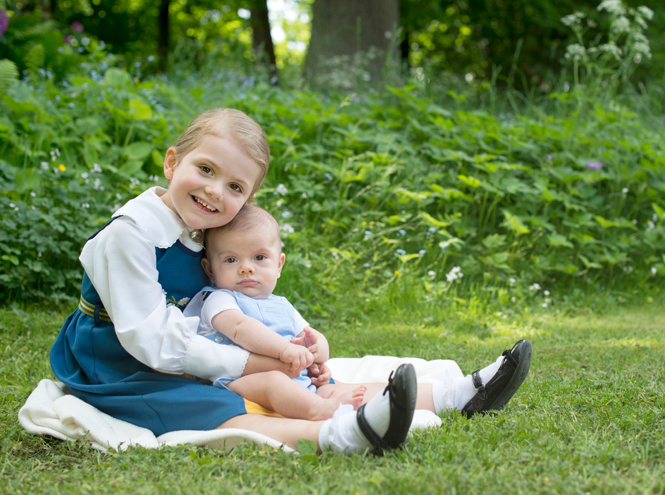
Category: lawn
[590,418]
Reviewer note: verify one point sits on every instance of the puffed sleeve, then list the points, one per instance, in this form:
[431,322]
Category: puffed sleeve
[121,264]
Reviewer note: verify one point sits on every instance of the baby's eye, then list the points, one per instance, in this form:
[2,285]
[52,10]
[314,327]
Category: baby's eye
[206,169]
[260,257]
[230,259]
[236,187]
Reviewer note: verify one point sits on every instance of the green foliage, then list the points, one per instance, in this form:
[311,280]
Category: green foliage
[379,195]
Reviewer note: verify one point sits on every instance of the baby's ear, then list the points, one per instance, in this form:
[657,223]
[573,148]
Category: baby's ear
[170,161]
[282,259]
[207,267]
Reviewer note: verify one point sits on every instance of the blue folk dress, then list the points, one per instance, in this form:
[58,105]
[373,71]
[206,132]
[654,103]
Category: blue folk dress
[89,359]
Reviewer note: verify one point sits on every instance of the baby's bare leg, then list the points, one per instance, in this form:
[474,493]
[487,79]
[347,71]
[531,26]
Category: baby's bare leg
[424,400]
[276,391]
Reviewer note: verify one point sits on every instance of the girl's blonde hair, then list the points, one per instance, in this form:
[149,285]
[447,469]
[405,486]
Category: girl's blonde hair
[234,125]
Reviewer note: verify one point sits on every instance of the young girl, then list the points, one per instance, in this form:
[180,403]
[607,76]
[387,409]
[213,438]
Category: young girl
[125,348]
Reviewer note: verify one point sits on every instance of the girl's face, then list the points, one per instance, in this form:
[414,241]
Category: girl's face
[211,183]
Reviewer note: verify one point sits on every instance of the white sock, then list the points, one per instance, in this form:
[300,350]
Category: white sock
[341,433]
[463,390]
[441,395]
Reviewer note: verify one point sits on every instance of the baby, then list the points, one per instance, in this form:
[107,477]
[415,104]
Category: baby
[244,260]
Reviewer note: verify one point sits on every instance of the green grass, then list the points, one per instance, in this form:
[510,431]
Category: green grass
[590,418]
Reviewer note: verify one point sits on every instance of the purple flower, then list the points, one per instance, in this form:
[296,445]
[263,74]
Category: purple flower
[549,157]
[595,164]
[68,39]
[4,22]
[77,27]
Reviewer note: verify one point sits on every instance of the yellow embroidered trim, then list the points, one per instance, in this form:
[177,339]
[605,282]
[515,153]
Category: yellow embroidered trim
[89,309]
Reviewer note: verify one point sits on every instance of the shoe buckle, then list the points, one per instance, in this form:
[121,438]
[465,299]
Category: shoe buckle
[478,384]
[390,382]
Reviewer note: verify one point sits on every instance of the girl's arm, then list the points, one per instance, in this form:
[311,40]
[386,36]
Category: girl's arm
[254,336]
[121,264]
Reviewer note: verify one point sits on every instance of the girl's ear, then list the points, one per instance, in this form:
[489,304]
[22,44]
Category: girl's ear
[282,259]
[170,161]
[207,267]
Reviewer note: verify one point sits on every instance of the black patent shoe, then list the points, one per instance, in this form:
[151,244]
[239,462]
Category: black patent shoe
[403,388]
[496,393]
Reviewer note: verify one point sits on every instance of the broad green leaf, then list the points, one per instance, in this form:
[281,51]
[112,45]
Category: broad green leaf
[514,223]
[469,181]
[659,211]
[117,77]
[559,240]
[307,449]
[140,110]
[138,151]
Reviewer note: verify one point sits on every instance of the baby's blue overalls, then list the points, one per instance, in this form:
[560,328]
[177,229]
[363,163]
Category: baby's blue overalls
[88,358]
[277,314]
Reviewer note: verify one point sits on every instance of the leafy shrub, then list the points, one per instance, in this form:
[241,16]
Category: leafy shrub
[380,195]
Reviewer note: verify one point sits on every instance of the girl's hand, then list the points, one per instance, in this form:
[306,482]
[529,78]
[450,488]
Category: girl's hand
[319,374]
[298,356]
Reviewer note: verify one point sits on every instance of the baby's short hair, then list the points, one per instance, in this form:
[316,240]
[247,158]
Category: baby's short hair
[234,125]
[248,218]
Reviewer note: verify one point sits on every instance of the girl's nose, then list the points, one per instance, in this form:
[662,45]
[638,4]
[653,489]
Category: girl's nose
[215,192]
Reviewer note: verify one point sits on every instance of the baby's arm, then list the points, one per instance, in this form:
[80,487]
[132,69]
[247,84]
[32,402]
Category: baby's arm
[254,336]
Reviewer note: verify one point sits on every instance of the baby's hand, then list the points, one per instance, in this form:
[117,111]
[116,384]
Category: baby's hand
[309,340]
[297,356]
[319,374]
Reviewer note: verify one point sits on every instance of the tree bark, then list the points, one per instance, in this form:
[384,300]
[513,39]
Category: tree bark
[261,37]
[347,27]
[163,37]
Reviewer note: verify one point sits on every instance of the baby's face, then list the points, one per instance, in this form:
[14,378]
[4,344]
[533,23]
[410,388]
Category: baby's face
[245,261]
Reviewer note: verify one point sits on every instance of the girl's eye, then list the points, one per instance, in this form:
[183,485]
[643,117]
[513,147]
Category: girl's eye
[260,257]
[236,187]
[230,260]
[205,169]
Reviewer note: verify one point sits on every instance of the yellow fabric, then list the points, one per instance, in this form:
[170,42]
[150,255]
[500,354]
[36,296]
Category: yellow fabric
[254,408]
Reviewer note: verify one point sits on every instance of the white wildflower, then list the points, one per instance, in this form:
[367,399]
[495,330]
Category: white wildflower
[654,271]
[422,252]
[431,274]
[612,49]
[454,274]
[612,6]
[575,52]
[624,190]
[646,12]
[96,168]
[546,292]
[286,214]
[281,189]
[511,281]
[534,287]
[621,25]
[570,20]
[287,227]
[368,234]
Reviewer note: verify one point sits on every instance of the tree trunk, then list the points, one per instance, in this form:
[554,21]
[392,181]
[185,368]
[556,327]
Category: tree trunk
[343,29]
[163,39]
[261,37]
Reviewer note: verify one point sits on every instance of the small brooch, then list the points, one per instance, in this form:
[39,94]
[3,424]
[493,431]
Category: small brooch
[197,236]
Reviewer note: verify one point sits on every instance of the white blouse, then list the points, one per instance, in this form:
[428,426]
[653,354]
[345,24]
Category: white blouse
[122,265]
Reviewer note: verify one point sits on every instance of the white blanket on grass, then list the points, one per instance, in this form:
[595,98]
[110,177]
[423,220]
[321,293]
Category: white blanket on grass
[51,410]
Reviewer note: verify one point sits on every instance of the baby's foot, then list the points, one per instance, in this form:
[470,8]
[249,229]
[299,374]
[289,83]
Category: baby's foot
[326,407]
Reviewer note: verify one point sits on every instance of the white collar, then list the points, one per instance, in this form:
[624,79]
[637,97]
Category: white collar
[161,225]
